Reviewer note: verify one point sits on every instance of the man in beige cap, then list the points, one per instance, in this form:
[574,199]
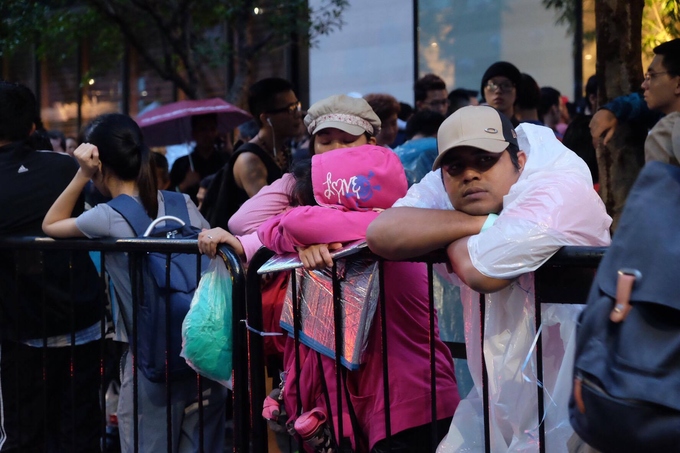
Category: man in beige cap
[501,202]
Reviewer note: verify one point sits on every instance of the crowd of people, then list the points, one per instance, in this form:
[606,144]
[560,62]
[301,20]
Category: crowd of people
[500,178]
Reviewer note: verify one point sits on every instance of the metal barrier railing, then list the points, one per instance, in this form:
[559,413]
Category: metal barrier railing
[136,248]
[565,278]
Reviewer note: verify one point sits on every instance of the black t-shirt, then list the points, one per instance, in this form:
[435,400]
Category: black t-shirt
[31,182]
[224,196]
[204,167]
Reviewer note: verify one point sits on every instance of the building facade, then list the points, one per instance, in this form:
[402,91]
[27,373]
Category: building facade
[383,46]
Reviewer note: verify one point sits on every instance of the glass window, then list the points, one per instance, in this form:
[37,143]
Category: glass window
[459,39]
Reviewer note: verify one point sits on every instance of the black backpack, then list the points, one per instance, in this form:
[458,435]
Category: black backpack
[627,365]
[151,314]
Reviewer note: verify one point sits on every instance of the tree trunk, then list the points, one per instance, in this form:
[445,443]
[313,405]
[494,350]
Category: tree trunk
[619,70]
[243,58]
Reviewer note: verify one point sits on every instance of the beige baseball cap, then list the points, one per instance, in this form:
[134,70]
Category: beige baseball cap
[477,126]
[352,115]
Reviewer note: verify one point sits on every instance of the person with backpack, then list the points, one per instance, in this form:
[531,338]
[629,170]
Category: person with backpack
[627,341]
[115,157]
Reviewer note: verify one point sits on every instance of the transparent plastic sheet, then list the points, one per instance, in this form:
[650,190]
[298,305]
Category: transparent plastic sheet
[511,364]
[451,322]
[207,328]
[360,290]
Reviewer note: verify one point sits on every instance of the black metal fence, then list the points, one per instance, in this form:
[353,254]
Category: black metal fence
[135,250]
[565,278]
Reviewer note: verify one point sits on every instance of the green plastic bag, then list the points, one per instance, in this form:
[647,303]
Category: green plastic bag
[207,328]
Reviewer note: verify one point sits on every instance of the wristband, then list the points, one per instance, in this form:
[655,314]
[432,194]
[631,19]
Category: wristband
[489,221]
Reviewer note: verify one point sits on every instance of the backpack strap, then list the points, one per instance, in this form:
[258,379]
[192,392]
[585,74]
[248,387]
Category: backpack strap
[133,213]
[176,205]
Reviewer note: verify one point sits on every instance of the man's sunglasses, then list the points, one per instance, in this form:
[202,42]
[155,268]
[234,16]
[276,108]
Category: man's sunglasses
[291,108]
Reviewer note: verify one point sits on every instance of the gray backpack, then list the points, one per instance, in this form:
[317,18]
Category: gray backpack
[627,365]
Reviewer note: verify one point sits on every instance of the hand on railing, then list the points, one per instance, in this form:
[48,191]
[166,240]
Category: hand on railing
[209,240]
[318,256]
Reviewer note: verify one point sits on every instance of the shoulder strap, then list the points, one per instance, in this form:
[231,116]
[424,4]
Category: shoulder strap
[133,213]
[176,205]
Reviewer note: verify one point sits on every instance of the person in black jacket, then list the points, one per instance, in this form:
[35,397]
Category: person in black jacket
[44,297]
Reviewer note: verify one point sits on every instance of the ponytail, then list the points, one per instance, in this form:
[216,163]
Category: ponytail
[146,183]
[122,150]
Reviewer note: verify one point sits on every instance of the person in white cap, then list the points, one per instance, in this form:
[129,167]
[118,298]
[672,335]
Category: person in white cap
[502,203]
[339,121]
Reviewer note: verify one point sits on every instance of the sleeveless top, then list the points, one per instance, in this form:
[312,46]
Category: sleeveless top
[224,196]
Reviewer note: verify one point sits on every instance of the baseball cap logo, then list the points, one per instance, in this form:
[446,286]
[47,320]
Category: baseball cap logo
[491,130]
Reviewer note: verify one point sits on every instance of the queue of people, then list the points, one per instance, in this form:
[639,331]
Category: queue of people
[492,184]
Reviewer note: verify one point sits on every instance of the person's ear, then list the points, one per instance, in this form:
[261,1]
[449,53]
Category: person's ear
[372,140]
[521,159]
[556,111]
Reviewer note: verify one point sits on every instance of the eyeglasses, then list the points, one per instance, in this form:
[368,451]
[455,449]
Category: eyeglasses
[291,108]
[650,75]
[505,87]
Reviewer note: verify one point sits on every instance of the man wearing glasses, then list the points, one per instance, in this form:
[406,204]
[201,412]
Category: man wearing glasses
[499,88]
[262,160]
[430,93]
[501,202]
[661,95]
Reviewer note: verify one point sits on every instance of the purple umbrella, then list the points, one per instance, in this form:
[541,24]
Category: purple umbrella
[171,124]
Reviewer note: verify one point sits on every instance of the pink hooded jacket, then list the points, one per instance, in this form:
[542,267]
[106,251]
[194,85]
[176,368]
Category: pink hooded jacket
[355,184]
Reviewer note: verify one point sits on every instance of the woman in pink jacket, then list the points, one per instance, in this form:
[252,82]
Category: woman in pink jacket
[344,191]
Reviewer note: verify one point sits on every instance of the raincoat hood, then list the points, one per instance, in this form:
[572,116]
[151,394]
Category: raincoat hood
[364,178]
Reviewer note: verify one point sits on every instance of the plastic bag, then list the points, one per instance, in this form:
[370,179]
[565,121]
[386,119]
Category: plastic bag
[207,328]
[511,364]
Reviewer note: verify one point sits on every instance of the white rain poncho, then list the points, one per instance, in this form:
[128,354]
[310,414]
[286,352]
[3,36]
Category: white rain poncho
[553,204]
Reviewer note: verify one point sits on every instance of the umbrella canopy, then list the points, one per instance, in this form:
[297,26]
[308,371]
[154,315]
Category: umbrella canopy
[171,123]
